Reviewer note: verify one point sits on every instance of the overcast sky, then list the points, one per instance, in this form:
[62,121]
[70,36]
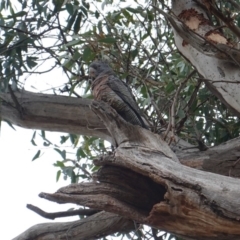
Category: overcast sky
[22,179]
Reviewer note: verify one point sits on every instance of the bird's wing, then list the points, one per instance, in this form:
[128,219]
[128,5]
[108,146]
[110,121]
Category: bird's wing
[123,91]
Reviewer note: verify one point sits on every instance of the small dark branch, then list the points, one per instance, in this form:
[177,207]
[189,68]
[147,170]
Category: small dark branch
[180,124]
[86,212]
[41,72]
[193,97]
[200,104]
[172,111]
[154,233]
[159,114]
[65,40]
[63,36]
[66,89]
[27,32]
[215,81]
[80,167]
[15,100]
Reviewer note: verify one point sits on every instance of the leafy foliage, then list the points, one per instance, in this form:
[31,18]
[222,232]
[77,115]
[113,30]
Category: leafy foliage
[39,36]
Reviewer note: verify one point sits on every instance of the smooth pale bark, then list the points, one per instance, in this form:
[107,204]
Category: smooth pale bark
[52,113]
[209,51]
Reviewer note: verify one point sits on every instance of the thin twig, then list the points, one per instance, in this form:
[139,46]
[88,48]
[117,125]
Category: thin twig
[54,215]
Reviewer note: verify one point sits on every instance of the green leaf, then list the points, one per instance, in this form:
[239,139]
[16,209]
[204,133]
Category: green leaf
[127,16]
[80,153]
[43,134]
[33,143]
[68,64]
[64,139]
[181,113]
[134,53]
[30,62]
[20,14]
[76,55]
[62,153]
[150,16]
[59,164]
[73,177]
[88,55]
[74,42]
[71,21]
[57,5]
[77,23]
[70,8]
[58,175]
[134,10]
[36,155]
[109,40]
[97,14]
[46,144]
[170,87]
[10,124]
[85,4]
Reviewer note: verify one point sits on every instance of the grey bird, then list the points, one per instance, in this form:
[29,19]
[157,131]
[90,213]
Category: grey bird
[107,87]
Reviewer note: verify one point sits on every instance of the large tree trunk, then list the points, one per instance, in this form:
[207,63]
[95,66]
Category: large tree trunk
[145,180]
[212,54]
[147,184]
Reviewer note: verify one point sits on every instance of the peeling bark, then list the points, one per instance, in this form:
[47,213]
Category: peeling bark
[208,50]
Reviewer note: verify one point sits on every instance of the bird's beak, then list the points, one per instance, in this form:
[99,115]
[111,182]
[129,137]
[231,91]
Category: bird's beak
[92,73]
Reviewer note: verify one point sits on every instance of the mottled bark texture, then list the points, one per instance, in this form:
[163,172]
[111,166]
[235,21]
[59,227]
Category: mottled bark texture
[144,181]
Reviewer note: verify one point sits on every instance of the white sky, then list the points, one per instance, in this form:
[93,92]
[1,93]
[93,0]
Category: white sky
[21,179]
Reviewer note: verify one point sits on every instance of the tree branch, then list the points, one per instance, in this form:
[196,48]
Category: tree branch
[53,113]
[87,212]
[45,111]
[96,226]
